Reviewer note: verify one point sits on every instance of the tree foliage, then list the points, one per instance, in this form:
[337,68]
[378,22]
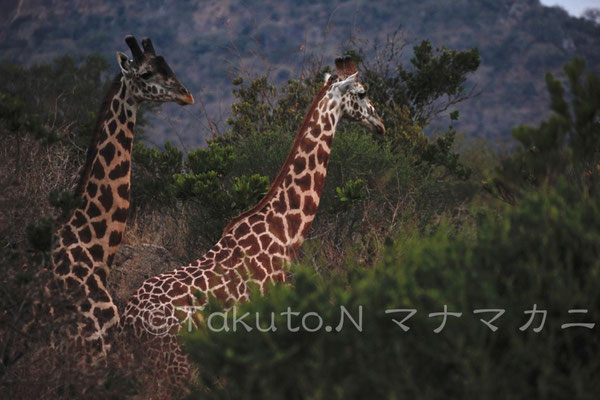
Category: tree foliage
[567,142]
[64,97]
[215,195]
[152,175]
[409,99]
[500,266]
[542,252]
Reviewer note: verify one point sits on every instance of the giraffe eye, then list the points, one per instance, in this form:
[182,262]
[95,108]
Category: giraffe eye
[362,95]
[146,75]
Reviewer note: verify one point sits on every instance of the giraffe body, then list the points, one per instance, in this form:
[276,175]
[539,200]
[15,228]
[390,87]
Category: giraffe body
[86,244]
[257,245]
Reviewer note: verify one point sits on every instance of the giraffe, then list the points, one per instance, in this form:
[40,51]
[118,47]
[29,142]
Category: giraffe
[86,243]
[256,245]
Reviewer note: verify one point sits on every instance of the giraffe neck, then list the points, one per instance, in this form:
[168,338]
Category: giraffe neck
[90,238]
[254,247]
[290,205]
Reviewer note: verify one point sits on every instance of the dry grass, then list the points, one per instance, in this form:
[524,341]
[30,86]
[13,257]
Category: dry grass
[29,171]
[159,228]
[45,372]
[32,365]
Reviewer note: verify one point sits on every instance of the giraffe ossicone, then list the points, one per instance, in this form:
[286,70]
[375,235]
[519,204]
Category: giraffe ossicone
[87,242]
[259,243]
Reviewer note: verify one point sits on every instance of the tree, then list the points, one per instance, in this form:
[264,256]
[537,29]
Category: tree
[566,144]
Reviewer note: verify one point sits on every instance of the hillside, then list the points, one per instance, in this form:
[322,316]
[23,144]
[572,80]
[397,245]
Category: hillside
[208,42]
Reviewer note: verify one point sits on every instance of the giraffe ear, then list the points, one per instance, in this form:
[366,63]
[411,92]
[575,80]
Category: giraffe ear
[346,84]
[124,63]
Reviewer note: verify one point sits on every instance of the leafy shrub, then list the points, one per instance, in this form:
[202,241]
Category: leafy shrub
[16,120]
[64,96]
[152,180]
[403,173]
[543,252]
[213,194]
[352,191]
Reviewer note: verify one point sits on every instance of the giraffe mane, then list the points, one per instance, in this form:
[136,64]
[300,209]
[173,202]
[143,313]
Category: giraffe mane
[93,147]
[302,131]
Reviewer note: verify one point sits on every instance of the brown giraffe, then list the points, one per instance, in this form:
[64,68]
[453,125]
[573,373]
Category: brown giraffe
[87,242]
[256,245]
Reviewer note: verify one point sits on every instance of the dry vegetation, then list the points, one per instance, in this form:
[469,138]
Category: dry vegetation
[32,368]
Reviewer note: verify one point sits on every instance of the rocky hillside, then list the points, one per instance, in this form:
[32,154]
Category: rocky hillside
[209,42]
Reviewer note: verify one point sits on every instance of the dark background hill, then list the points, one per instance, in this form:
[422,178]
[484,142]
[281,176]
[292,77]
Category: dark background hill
[209,42]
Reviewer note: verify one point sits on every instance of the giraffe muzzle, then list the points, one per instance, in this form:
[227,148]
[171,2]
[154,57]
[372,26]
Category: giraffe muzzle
[374,124]
[379,127]
[185,99]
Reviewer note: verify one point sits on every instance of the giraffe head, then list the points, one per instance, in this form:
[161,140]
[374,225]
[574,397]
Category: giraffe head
[149,76]
[352,96]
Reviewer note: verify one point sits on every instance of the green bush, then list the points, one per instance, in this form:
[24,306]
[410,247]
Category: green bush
[152,180]
[402,172]
[543,252]
[64,96]
[213,194]
[15,119]
[351,192]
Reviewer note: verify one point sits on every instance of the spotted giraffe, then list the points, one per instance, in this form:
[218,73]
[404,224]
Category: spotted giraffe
[256,245]
[86,244]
